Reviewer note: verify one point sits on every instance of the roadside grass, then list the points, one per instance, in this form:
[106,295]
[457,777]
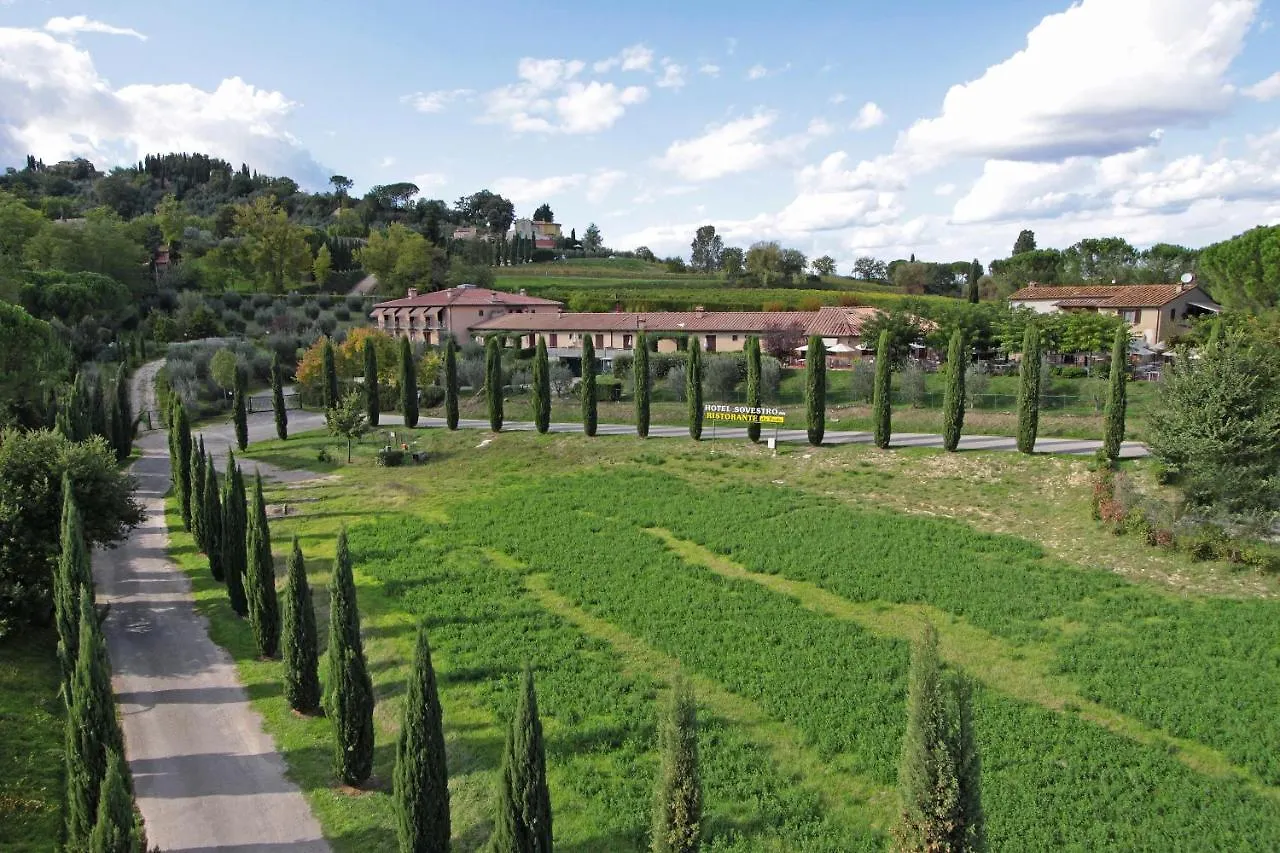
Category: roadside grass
[31,743]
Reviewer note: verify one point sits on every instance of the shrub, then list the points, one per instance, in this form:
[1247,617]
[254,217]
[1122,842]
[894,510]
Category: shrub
[325,301]
[391,458]
[327,323]
[295,299]
[676,382]
[231,299]
[862,380]
[262,300]
[432,396]
[355,303]
[342,314]
[770,378]
[312,310]
[1069,371]
[721,374]
[911,381]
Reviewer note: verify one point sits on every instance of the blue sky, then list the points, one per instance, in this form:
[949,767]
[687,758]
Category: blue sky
[937,128]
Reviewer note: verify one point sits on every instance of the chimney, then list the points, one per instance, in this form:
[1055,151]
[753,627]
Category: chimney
[524,292]
[699,310]
[413,291]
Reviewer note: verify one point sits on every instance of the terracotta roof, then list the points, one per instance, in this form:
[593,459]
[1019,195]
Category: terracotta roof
[667,322]
[1084,302]
[841,322]
[466,296]
[1107,295]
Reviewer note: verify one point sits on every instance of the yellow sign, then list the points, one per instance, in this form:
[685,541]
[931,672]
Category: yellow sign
[743,414]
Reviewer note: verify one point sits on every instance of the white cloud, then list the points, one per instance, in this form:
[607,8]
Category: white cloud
[429,181]
[1166,64]
[637,57]
[838,98]
[709,69]
[57,106]
[595,106]
[596,186]
[547,99]
[544,74]
[672,75]
[736,146]
[830,175]
[868,117]
[434,102]
[386,162]
[602,183]
[1265,90]
[757,72]
[81,24]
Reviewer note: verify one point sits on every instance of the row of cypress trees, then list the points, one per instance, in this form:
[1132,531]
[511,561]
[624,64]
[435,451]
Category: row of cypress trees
[99,404]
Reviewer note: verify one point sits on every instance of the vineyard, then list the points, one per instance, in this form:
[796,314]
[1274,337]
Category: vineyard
[1110,715]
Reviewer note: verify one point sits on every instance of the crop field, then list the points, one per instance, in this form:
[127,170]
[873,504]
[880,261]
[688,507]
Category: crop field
[1113,711]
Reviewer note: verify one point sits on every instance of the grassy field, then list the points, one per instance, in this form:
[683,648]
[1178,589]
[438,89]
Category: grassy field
[1127,697]
[31,734]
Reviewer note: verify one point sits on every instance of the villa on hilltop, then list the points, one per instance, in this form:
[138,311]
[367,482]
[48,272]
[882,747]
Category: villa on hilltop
[1155,312]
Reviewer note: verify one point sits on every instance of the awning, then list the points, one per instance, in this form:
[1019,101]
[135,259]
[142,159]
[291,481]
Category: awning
[840,348]
[1210,308]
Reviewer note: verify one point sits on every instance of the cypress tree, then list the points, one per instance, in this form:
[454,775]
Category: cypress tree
[953,399]
[99,424]
[277,398]
[125,408]
[372,407]
[301,657]
[677,808]
[91,729]
[212,520]
[640,382]
[523,821]
[882,393]
[72,577]
[938,777]
[234,519]
[815,389]
[451,383]
[260,578]
[421,781]
[240,412]
[117,827]
[693,389]
[183,465]
[588,387]
[541,387]
[329,383]
[1029,390]
[1116,395]
[348,690]
[197,497]
[408,385]
[493,381]
[975,273]
[753,384]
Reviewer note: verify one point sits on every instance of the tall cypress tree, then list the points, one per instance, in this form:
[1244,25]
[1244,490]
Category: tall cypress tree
[1029,390]
[124,406]
[588,387]
[693,389]
[117,827]
[640,382]
[183,482]
[98,424]
[815,389]
[975,273]
[408,385]
[523,821]
[371,399]
[260,586]
[882,393]
[234,520]
[677,807]
[953,399]
[72,578]
[197,497]
[329,375]
[421,781]
[938,777]
[91,728]
[277,398]
[212,520]
[493,381]
[348,690]
[541,387]
[451,383]
[753,384]
[1116,395]
[240,411]
[301,655]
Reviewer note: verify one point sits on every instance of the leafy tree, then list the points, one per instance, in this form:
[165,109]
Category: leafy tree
[301,656]
[235,518]
[348,420]
[938,777]
[399,258]
[223,367]
[882,391]
[408,385]
[330,388]
[732,261]
[341,186]
[707,250]
[275,248]
[677,809]
[240,411]
[1104,260]
[953,398]
[1243,273]
[371,396]
[591,240]
[904,329]
[541,388]
[911,278]
[1043,266]
[451,383]
[348,690]
[869,269]
[72,577]
[815,389]
[1029,390]
[182,467]
[640,383]
[792,262]
[277,399]
[588,388]
[212,520]
[493,381]
[117,827]
[1116,391]
[693,389]
[523,821]
[753,384]
[421,780]
[486,210]
[321,266]
[764,263]
[544,214]
[264,607]
[825,265]
[975,275]
[1026,242]
[27,355]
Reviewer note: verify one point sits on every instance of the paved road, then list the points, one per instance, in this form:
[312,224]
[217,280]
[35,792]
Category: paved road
[207,775]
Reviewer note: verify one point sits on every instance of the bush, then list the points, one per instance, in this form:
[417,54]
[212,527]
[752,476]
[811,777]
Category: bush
[862,380]
[721,374]
[770,378]
[355,302]
[431,396]
[912,385]
[676,382]
[542,256]
[325,301]
[295,299]
[231,299]
[263,316]
[311,309]
[1069,371]
[327,323]
[262,300]
[390,457]
[343,315]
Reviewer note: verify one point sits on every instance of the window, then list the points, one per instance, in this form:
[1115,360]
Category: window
[481,312]
[1131,315]
[554,340]
[1171,313]
[735,337]
[711,343]
[599,341]
[626,342]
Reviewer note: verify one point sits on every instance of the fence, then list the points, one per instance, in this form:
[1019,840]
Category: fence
[151,419]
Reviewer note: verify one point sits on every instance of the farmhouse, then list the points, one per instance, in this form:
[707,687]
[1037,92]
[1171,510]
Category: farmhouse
[544,234]
[430,317]
[1154,312]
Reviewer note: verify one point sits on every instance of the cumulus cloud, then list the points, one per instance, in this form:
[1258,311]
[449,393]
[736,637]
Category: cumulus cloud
[736,146]
[869,116]
[1265,90]
[595,106]
[637,57]
[434,102]
[547,99]
[757,72]
[81,24]
[596,186]
[709,69]
[57,106]
[429,181]
[672,75]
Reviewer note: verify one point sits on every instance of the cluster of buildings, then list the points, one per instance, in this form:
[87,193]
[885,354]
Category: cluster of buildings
[545,235]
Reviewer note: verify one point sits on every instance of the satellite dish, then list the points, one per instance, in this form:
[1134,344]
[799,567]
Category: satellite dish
[1187,277]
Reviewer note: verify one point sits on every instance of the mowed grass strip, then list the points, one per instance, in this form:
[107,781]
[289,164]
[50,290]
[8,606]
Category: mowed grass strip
[32,719]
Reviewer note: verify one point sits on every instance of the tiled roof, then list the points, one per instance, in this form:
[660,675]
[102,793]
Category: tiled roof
[465,296]
[841,322]
[1106,295]
[668,322]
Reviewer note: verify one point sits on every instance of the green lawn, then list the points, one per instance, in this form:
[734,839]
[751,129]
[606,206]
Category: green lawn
[31,734]
[1127,697]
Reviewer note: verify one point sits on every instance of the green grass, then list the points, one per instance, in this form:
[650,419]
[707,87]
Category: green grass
[1113,714]
[31,734]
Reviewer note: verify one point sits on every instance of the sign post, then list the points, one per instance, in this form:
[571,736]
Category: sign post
[715,412]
